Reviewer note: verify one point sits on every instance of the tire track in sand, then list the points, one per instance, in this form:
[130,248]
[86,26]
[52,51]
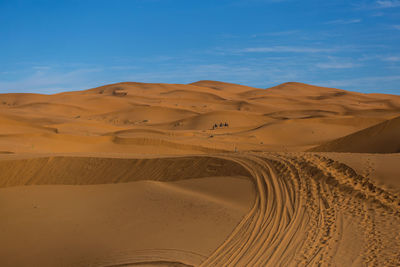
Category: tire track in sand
[296,219]
[268,233]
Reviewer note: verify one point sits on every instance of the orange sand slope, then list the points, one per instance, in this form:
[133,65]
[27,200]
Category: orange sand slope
[203,174]
[172,216]
[381,138]
[195,211]
[170,118]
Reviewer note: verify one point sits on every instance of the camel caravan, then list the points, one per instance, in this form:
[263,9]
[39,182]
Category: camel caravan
[221,125]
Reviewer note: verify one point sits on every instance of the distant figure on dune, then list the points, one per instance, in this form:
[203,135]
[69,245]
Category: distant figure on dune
[215,126]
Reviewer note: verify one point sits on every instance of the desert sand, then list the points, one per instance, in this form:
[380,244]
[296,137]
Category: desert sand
[200,174]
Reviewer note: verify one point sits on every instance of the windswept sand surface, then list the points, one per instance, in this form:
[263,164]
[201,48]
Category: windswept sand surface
[381,138]
[205,174]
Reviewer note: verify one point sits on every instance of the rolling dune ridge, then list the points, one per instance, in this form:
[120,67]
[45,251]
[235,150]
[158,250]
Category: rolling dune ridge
[204,174]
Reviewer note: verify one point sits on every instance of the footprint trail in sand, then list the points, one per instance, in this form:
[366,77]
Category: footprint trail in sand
[297,218]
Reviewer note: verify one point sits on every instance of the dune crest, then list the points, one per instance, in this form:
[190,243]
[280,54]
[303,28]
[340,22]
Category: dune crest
[381,138]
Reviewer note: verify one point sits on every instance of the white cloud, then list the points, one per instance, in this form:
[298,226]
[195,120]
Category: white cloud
[282,49]
[258,2]
[378,14]
[259,74]
[361,82]
[397,27]
[392,58]
[388,3]
[8,72]
[343,21]
[41,67]
[123,67]
[337,65]
[43,80]
[282,33]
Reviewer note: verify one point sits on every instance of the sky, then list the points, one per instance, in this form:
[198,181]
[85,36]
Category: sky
[53,46]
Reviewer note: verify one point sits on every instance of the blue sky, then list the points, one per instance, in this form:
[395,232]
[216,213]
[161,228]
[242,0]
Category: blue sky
[53,46]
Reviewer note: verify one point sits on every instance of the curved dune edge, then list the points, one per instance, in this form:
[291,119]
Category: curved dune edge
[63,170]
[67,170]
[161,142]
[150,257]
[380,138]
[308,208]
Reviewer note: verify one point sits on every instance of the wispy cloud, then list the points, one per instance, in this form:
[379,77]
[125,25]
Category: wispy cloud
[285,49]
[257,2]
[334,65]
[364,82]
[43,80]
[256,74]
[392,59]
[123,67]
[397,27]
[7,72]
[380,4]
[41,67]
[281,33]
[344,21]
[388,3]
[378,14]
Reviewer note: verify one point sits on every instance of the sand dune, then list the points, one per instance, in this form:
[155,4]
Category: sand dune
[290,116]
[14,125]
[222,86]
[201,174]
[222,189]
[381,138]
[144,115]
[99,228]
